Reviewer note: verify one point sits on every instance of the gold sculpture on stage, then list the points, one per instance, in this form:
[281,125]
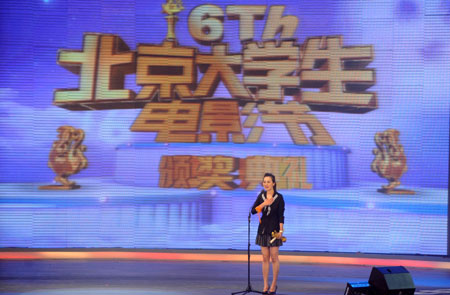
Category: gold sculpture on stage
[172,7]
[390,161]
[66,157]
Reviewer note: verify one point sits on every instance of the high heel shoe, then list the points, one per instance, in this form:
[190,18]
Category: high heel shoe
[274,292]
[266,292]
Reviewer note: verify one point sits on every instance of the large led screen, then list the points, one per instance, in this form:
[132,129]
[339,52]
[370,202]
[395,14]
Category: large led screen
[150,124]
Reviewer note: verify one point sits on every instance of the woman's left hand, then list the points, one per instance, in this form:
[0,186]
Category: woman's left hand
[279,235]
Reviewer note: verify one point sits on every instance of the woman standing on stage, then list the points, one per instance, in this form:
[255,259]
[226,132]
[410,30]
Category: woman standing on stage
[271,204]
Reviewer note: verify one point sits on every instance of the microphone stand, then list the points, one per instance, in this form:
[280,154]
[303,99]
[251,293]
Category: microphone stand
[249,286]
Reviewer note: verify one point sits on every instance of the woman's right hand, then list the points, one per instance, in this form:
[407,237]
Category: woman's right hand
[268,202]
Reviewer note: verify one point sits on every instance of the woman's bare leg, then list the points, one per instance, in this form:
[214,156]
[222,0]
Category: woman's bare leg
[265,266]
[275,267]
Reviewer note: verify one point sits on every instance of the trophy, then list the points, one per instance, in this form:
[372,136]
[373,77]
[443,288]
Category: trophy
[66,157]
[172,7]
[274,237]
[390,161]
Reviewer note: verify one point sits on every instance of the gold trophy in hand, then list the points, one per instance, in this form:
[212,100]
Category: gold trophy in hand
[274,237]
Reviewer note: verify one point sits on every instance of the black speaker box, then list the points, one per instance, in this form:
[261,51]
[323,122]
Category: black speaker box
[393,280]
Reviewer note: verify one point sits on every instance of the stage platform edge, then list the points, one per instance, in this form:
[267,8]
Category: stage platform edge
[421,261]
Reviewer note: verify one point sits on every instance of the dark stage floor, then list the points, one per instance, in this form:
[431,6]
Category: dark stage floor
[76,277]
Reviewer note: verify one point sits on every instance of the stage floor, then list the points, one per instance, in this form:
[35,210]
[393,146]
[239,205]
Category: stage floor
[132,277]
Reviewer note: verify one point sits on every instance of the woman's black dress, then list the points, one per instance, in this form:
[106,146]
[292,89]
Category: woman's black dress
[271,218]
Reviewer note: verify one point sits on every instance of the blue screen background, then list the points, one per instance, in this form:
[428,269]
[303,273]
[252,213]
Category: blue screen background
[411,44]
